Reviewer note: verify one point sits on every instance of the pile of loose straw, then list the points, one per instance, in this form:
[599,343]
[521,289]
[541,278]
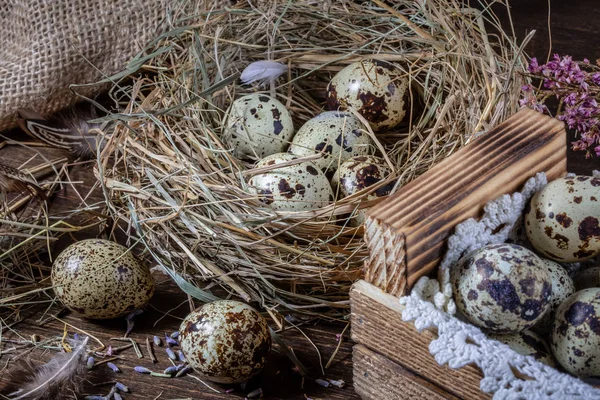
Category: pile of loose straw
[168,175]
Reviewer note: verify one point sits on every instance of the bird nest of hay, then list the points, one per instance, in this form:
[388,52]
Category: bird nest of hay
[168,172]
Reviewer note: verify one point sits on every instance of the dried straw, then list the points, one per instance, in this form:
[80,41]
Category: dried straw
[168,175]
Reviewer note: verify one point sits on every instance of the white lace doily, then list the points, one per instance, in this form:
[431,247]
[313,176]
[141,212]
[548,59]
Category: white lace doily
[507,374]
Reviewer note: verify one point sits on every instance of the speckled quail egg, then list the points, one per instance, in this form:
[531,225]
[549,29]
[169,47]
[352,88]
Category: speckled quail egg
[296,187]
[562,219]
[376,89]
[587,278]
[225,341]
[501,287]
[576,333]
[360,172]
[100,279]
[257,126]
[338,135]
[527,343]
[562,287]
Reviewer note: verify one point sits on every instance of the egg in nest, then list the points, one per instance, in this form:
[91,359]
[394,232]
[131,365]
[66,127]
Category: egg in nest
[101,279]
[297,187]
[501,287]
[562,287]
[527,343]
[258,125]
[376,89]
[334,134]
[225,341]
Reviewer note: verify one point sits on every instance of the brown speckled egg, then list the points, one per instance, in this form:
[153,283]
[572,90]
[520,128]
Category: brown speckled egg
[376,89]
[587,278]
[562,220]
[257,126]
[562,287]
[296,187]
[501,287]
[100,279]
[338,135]
[225,341]
[576,333]
[360,172]
[527,343]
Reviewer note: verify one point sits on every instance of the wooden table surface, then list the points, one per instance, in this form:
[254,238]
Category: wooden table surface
[574,31]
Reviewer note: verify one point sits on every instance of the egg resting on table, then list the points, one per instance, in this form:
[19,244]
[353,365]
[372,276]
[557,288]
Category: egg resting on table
[527,343]
[501,287]
[101,279]
[562,287]
[358,173]
[576,333]
[376,89]
[225,341]
[562,219]
[337,135]
[298,187]
[258,125]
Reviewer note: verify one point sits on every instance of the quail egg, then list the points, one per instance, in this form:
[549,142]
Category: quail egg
[338,135]
[225,341]
[527,343]
[376,89]
[501,287]
[257,126]
[297,187]
[360,172]
[576,333]
[562,287]
[101,279]
[587,278]
[562,219]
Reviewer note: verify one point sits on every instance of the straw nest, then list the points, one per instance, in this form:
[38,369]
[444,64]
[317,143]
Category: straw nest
[169,175]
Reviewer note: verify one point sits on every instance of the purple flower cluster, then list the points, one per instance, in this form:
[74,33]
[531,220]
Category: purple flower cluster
[577,86]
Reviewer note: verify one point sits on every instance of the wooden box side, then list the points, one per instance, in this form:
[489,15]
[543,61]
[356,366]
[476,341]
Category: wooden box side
[406,233]
[376,321]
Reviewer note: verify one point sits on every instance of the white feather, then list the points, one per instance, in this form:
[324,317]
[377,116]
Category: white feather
[263,71]
[57,372]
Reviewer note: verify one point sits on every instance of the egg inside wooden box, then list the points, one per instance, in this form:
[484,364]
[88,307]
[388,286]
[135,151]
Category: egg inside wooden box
[101,279]
[225,341]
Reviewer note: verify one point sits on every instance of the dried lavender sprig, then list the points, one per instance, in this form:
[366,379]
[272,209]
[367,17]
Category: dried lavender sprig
[157,340]
[322,382]
[171,354]
[144,370]
[113,367]
[170,341]
[175,335]
[170,370]
[121,387]
[90,362]
[181,356]
[184,371]
[95,398]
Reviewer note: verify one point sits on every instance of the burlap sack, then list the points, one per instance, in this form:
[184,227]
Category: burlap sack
[46,45]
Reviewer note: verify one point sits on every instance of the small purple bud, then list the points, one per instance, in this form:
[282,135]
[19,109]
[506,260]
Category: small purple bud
[170,341]
[113,367]
[322,382]
[109,351]
[255,393]
[171,354]
[157,340]
[183,371]
[95,398]
[229,391]
[117,396]
[175,335]
[171,370]
[90,362]
[181,356]
[142,370]
[76,336]
[122,387]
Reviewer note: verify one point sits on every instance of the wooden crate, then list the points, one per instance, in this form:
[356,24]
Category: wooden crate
[406,237]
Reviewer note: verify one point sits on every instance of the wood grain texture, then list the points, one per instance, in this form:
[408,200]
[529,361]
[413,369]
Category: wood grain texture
[377,378]
[425,211]
[377,324]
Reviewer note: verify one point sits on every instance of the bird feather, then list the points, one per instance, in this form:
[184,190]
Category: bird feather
[263,71]
[58,378]
[69,129]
